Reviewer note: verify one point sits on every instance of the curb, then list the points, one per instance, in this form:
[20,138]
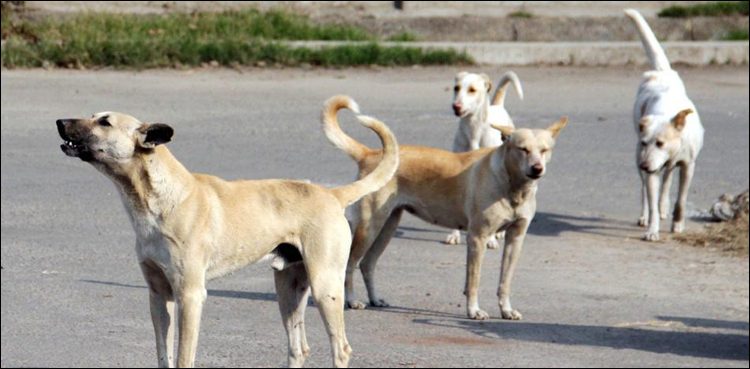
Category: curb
[694,53]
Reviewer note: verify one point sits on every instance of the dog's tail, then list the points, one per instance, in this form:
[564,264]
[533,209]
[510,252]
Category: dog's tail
[499,97]
[385,170]
[654,50]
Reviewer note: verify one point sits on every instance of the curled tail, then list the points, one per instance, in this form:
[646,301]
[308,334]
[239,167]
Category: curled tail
[654,51]
[385,170]
[499,97]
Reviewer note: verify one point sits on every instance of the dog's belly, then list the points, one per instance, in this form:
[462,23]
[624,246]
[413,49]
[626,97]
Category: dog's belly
[449,218]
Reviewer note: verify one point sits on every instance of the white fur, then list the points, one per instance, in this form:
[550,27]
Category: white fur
[661,96]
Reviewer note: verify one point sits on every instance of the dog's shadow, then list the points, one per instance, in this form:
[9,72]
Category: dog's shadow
[724,346]
[544,224]
[256,296]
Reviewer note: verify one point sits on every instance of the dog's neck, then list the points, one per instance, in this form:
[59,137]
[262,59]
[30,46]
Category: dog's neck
[478,118]
[506,170]
[151,182]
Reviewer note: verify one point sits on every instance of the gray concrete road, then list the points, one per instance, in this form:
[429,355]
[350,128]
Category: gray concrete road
[592,294]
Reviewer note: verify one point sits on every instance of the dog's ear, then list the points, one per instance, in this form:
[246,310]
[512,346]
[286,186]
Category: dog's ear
[643,124]
[152,135]
[556,127]
[679,120]
[487,82]
[505,130]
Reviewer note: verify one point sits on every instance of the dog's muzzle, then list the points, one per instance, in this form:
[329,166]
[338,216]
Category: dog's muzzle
[72,146]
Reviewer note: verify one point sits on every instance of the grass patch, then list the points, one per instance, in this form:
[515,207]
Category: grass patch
[403,37]
[730,236]
[229,38]
[715,9]
[735,35]
[520,14]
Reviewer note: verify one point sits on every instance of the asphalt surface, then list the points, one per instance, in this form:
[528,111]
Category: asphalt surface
[591,293]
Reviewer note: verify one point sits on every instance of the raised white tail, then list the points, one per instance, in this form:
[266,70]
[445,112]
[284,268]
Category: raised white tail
[499,97]
[654,50]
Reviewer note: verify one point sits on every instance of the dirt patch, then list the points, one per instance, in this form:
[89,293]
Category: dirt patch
[731,236]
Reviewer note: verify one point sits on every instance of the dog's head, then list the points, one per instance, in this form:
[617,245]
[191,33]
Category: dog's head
[110,138]
[470,92]
[527,151]
[660,139]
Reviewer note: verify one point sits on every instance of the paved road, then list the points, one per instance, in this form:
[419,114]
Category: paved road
[591,293]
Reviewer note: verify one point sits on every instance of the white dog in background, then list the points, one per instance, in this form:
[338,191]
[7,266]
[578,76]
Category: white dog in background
[472,105]
[670,135]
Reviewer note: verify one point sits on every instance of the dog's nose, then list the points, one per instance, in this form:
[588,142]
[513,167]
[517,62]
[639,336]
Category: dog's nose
[457,108]
[537,169]
[644,166]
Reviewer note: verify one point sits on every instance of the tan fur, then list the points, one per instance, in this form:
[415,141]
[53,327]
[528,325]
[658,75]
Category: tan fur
[193,227]
[482,191]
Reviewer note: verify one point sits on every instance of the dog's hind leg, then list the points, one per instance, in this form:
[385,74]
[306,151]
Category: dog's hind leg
[666,183]
[367,266]
[293,289]
[325,260]
[162,312]
[686,176]
[371,221]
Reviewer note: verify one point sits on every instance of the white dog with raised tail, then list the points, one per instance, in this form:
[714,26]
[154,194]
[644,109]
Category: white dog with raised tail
[471,103]
[670,135]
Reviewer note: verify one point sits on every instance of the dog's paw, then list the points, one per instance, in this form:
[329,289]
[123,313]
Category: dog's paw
[643,221]
[651,236]
[379,303]
[493,244]
[453,238]
[356,305]
[678,227]
[478,314]
[511,314]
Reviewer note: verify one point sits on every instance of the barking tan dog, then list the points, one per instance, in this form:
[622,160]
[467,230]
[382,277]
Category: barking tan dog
[670,135]
[482,191]
[193,227]
[471,103]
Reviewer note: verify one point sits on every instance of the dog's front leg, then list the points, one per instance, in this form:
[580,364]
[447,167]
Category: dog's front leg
[666,182]
[652,190]
[476,245]
[162,304]
[191,294]
[514,237]
[643,220]
[686,176]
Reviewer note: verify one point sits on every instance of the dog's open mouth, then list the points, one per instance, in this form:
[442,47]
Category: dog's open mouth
[534,176]
[76,149]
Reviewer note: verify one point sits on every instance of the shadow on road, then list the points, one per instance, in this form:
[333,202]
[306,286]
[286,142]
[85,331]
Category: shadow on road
[545,224]
[258,296]
[726,346]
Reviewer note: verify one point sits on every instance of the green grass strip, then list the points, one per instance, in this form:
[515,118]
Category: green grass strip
[715,9]
[229,38]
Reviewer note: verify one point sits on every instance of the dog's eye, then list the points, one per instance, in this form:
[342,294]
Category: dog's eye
[525,150]
[472,90]
[544,151]
[456,88]
[644,143]
[659,144]
[104,123]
